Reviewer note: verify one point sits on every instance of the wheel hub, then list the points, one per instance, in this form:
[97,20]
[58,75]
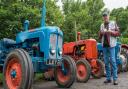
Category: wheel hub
[81,70]
[13,73]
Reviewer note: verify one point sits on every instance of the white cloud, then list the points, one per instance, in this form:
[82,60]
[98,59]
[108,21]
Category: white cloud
[111,4]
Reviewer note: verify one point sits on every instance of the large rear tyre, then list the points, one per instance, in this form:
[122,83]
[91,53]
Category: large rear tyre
[18,70]
[65,77]
[83,70]
[31,69]
[99,71]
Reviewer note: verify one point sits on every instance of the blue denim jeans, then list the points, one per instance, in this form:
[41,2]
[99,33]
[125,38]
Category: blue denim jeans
[109,58]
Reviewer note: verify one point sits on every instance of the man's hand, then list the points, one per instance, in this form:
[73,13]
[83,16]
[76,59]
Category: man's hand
[109,31]
[102,33]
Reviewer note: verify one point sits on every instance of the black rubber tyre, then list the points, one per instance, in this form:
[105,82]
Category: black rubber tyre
[31,69]
[100,71]
[65,80]
[23,73]
[83,70]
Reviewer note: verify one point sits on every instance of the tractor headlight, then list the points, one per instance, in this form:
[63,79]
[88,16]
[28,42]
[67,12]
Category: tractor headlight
[53,51]
[60,43]
[60,53]
[53,43]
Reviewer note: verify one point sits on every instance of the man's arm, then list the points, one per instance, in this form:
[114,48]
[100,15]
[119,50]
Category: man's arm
[116,32]
[101,32]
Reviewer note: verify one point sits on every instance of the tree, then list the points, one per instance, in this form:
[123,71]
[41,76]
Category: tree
[14,12]
[121,16]
[86,15]
[95,9]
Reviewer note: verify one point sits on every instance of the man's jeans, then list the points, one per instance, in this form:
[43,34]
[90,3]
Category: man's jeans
[109,58]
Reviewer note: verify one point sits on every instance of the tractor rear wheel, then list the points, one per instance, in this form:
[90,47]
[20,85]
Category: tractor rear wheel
[31,69]
[83,70]
[65,75]
[99,71]
[18,70]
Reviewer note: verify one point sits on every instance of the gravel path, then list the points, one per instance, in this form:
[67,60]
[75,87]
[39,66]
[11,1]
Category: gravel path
[91,84]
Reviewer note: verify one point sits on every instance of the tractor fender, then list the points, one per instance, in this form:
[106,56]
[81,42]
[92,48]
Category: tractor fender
[124,46]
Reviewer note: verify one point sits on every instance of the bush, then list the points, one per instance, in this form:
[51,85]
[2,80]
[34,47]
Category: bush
[124,40]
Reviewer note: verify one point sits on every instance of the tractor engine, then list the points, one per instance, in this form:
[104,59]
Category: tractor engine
[83,48]
[32,46]
[5,46]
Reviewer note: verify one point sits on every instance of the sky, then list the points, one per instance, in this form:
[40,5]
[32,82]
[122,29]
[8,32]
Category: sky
[110,4]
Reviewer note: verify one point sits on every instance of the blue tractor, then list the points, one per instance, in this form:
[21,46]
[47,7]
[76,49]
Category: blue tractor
[121,56]
[35,51]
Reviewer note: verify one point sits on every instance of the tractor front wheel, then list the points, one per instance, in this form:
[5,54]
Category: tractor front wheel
[18,70]
[65,74]
[99,71]
[83,70]
[124,59]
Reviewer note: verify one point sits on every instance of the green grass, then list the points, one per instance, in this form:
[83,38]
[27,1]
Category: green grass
[1,78]
[124,40]
[38,77]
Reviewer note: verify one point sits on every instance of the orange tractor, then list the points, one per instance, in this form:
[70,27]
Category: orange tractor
[85,54]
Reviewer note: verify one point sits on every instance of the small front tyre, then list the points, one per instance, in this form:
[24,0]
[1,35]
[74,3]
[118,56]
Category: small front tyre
[66,75]
[99,71]
[83,70]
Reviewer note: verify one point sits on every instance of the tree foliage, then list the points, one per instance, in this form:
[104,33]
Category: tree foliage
[13,13]
[77,15]
[86,15]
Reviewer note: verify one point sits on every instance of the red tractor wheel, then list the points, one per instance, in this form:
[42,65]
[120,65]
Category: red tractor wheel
[99,71]
[65,75]
[17,72]
[49,75]
[83,70]
[124,59]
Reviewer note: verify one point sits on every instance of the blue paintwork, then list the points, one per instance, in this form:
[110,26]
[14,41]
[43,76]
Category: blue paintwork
[39,38]
[26,25]
[43,14]
[117,54]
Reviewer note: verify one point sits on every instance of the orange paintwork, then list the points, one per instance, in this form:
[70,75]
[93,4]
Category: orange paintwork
[13,83]
[90,48]
[68,47]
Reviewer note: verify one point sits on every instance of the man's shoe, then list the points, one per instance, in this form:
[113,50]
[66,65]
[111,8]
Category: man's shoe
[115,82]
[107,81]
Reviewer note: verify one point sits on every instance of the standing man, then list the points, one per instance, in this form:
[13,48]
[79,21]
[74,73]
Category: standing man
[108,35]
